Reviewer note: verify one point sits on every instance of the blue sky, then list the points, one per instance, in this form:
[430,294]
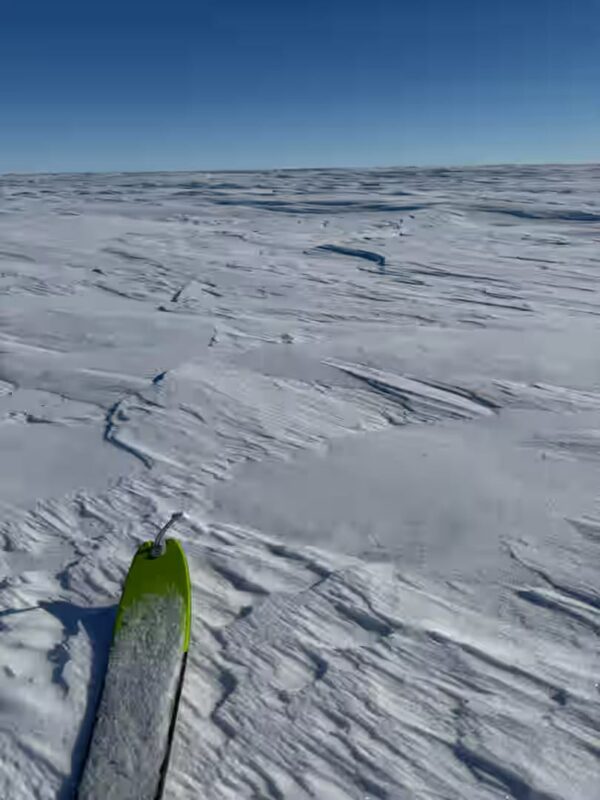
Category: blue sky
[250,84]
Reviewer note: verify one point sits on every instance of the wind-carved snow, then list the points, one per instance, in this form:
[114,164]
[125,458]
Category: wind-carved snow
[374,394]
[129,742]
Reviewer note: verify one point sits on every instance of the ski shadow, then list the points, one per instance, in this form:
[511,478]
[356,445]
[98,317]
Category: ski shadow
[98,623]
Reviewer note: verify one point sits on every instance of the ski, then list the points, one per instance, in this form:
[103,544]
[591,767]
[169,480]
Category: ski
[129,750]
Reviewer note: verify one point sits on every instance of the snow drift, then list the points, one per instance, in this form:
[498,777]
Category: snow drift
[376,396]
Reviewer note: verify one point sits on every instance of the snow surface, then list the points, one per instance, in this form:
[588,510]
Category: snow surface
[376,396]
[131,731]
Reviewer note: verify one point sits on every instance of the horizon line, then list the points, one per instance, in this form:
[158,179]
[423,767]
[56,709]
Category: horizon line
[247,170]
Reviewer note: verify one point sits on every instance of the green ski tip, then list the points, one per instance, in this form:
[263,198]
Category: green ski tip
[165,575]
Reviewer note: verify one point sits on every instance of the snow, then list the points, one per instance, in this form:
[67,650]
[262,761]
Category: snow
[375,395]
[131,731]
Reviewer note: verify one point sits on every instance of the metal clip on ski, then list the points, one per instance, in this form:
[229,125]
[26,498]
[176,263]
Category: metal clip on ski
[158,547]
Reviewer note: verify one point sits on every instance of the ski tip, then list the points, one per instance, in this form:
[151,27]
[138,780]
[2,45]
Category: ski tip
[150,576]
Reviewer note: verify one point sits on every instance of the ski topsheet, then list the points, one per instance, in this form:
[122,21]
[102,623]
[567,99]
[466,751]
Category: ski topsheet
[130,745]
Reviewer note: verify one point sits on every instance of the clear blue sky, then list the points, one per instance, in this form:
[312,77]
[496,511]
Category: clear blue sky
[137,84]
